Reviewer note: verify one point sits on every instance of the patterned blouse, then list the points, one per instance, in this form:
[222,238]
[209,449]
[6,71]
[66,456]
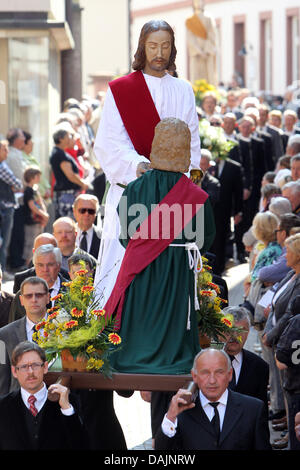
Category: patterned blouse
[266,257]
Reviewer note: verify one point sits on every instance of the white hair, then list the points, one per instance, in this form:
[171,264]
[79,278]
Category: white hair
[45,250]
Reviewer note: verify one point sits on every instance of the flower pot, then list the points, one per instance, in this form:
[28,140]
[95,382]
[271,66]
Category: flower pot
[71,364]
[204,341]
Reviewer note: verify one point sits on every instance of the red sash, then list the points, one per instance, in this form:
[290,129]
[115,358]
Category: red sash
[141,251]
[137,110]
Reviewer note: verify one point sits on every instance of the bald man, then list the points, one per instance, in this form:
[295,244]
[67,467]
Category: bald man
[42,239]
[218,419]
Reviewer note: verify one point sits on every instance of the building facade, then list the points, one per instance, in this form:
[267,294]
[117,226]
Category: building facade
[33,35]
[257,41]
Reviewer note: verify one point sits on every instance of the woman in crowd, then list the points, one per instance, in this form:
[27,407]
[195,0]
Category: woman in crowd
[68,183]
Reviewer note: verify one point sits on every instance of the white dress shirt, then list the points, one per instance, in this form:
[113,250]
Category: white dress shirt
[89,237]
[237,364]
[169,428]
[41,398]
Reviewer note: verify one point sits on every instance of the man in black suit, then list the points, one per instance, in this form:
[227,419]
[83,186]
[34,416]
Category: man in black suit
[85,209]
[29,420]
[250,372]
[34,298]
[42,239]
[219,419]
[265,126]
[229,173]
[47,265]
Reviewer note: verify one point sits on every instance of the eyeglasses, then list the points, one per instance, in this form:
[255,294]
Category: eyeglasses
[83,210]
[34,366]
[215,124]
[278,230]
[38,295]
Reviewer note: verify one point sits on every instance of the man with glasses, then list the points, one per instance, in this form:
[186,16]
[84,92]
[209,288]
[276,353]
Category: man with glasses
[47,261]
[29,420]
[85,209]
[34,297]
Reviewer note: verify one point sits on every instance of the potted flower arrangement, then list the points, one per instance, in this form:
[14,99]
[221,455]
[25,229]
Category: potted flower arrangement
[213,139]
[77,330]
[212,323]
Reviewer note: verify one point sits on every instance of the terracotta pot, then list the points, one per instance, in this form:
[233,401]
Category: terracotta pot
[71,364]
[204,341]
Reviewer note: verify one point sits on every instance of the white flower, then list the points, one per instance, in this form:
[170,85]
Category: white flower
[207,142]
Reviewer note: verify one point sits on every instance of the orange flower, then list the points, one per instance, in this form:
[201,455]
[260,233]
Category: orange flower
[71,324]
[52,315]
[114,338]
[57,297]
[46,334]
[40,325]
[50,310]
[99,313]
[214,286]
[226,322]
[207,293]
[76,313]
[82,272]
[85,289]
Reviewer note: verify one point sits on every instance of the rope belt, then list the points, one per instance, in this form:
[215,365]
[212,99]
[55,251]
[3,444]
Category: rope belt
[195,263]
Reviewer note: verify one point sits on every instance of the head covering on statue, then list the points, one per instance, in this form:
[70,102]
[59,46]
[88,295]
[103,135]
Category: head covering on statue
[171,146]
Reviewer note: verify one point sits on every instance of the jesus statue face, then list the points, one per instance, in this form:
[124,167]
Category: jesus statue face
[158,51]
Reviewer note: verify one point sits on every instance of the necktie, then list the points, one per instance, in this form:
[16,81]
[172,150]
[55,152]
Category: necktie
[232,383]
[33,331]
[31,400]
[49,304]
[216,419]
[83,243]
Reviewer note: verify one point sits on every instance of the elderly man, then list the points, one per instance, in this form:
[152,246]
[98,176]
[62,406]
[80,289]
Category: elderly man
[42,239]
[250,372]
[85,209]
[291,191]
[34,297]
[293,145]
[9,184]
[219,419]
[47,263]
[65,232]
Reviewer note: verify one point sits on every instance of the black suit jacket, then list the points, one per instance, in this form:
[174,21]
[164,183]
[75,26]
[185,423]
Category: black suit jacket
[56,430]
[231,192]
[95,245]
[245,427]
[17,310]
[254,377]
[5,304]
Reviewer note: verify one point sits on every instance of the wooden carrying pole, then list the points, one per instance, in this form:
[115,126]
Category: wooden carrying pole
[119,381]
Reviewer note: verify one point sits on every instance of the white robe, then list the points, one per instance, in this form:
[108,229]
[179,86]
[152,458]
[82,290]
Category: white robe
[173,97]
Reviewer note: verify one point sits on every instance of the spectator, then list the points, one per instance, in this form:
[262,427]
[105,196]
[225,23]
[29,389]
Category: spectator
[35,212]
[291,191]
[67,182]
[44,185]
[8,185]
[295,167]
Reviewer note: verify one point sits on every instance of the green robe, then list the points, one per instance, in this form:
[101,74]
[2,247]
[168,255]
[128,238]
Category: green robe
[155,338]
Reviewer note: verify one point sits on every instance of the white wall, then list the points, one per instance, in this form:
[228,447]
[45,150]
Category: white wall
[104,38]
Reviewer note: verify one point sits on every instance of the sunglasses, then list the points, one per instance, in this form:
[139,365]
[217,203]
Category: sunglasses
[83,210]
[38,295]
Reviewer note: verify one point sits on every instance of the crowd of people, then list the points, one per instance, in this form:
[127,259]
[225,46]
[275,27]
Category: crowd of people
[49,227]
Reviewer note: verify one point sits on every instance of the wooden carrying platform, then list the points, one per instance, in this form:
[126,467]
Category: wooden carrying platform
[94,380]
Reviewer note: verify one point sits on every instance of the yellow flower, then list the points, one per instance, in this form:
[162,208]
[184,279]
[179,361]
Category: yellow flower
[114,338]
[90,349]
